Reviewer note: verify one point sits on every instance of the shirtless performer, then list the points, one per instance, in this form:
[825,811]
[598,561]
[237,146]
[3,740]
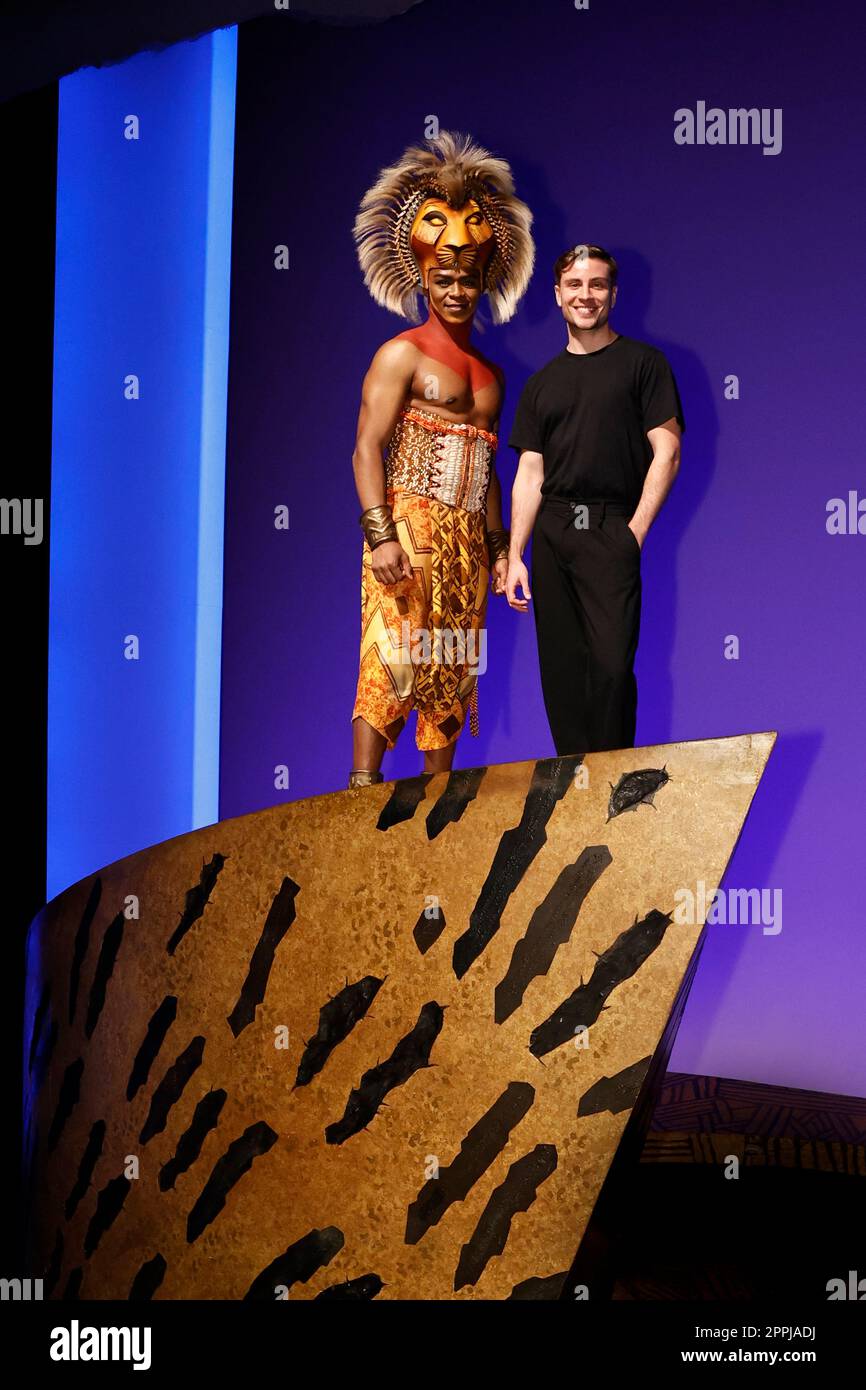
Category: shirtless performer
[442,222]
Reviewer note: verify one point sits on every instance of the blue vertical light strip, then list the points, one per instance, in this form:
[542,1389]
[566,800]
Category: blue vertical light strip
[215,368]
[145,163]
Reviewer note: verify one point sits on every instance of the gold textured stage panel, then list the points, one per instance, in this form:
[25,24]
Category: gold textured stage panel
[379,1043]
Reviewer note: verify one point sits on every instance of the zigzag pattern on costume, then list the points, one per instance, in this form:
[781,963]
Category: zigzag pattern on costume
[454,575]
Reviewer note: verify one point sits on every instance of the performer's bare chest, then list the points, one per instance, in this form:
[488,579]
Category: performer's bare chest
[473,398]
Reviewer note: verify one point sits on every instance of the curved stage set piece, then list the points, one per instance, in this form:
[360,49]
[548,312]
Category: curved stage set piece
[382,1042]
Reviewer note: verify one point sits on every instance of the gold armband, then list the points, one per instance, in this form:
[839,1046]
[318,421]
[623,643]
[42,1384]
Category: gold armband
[378,525]
[498,543]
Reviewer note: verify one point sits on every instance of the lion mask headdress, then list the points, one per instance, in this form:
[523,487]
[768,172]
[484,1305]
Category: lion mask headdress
[450,204]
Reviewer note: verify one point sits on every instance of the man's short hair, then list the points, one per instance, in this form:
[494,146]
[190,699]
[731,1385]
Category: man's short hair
[585,252]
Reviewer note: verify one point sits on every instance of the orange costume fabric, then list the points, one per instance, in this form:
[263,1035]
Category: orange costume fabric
[423,638]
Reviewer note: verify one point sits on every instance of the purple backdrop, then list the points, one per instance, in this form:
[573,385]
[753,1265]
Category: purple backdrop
[734,262]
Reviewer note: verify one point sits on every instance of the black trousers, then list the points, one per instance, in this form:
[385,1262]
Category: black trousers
[586,594]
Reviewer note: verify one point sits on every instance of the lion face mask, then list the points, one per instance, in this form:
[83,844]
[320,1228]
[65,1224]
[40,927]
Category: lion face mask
[451,238]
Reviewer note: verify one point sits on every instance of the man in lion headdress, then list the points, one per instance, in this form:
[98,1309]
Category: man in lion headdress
[442,223]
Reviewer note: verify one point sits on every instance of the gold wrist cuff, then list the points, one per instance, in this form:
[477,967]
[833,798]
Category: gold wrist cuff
[378,525]
[498,543]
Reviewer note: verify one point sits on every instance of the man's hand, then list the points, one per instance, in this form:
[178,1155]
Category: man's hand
[517,575]
[391,563]
[499,575]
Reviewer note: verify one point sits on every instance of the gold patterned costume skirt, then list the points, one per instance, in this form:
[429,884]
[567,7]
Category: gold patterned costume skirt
[423,639]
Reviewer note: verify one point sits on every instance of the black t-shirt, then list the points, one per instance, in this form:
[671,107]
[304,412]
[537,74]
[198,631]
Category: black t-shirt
[588,414]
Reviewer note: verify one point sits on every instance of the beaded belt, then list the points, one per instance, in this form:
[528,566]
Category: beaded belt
[435,458]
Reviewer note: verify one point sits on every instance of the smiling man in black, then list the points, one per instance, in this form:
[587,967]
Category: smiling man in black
[598,433]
